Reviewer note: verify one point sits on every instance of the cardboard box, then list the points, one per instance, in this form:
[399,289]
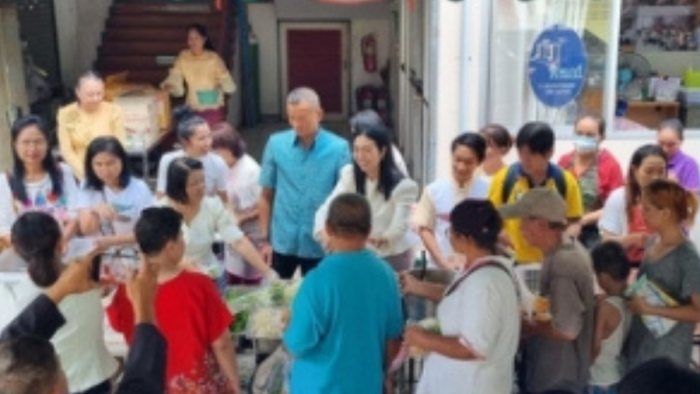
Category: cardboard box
[117,85]
[141,117]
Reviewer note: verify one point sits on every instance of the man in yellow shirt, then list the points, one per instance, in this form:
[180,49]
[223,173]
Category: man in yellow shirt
[535,144]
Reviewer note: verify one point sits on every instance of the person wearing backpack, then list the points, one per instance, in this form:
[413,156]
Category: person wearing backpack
[478,314]
[535,144]
[557,343]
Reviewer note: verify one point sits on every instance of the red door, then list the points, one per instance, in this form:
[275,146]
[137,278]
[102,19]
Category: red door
[315,59]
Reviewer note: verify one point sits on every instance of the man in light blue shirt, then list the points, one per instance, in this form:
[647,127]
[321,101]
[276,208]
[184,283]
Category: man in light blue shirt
[300,168]
[346,320]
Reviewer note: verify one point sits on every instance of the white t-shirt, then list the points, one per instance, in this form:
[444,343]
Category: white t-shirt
[614,218]
[244,192]
[40,194]
[483,311]
[128,203]
[79,343]
[212,219]
[215,171]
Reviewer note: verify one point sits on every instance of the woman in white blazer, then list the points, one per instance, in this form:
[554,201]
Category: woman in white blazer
[390,194]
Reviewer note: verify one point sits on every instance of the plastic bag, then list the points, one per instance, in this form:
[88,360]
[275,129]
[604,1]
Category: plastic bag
[272,376]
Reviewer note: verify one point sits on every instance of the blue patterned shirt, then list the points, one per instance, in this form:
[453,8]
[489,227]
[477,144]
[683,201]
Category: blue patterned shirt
[302,178]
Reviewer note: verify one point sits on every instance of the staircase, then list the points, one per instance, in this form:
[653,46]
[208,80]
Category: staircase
[144,37]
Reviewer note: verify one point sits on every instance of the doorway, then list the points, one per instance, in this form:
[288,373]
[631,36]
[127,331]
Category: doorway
[316,55]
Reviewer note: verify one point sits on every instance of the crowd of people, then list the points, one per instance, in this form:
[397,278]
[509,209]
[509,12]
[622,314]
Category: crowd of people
[346,216]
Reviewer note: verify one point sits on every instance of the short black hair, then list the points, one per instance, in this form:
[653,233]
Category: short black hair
[610,257]
[178,173]
[660,376]
[156,227]
[350,215]
[479,220]
[35,237]
[28,365]
[673,124]
[111,145]
[538,137]
[471,140]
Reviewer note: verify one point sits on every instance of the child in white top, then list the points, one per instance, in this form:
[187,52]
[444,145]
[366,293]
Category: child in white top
[612,267]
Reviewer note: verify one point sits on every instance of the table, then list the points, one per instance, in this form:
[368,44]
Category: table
[651,113]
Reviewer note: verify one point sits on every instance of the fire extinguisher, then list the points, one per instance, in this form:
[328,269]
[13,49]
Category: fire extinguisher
[369,53]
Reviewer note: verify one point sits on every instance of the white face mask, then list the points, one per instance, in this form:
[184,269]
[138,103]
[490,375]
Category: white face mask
[584,144]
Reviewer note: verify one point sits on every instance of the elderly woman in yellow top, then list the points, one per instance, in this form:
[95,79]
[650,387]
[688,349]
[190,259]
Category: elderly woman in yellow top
[86,119]
[204,73]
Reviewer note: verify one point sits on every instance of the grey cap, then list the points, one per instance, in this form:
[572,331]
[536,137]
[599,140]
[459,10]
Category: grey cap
[541,202]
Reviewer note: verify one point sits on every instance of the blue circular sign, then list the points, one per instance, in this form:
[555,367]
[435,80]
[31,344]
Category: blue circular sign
[557,66]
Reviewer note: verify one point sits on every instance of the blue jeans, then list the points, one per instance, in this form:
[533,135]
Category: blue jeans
[601,389]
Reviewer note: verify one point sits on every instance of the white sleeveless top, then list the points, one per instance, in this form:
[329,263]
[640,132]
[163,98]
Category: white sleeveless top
[608,368]
[445,195]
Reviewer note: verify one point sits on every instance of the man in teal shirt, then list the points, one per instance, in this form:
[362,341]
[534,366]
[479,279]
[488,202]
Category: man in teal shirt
[300,168]
[346,319]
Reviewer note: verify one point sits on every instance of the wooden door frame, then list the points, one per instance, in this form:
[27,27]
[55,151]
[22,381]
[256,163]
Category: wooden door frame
[344,28]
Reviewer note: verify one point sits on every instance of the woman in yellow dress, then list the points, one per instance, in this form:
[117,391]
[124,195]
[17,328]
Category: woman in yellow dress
[86,119]
[204,73]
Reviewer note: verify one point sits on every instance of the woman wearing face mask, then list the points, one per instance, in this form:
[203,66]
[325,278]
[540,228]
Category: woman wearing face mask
[622,220]
[204,73]
[194,134]
[389,192]
[89,117]
[479,313]
[432,213]
[682,168]
[597,171]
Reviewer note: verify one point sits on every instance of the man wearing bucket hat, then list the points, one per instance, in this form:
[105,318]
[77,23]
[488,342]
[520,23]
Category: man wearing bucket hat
[564,339]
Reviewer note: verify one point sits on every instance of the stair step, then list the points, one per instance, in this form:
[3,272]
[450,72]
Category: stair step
[135,48]
[144,62]
[140,8]
[153,77]
[151,34]
[165,19]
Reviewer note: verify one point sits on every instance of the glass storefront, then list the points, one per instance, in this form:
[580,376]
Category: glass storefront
[641,61]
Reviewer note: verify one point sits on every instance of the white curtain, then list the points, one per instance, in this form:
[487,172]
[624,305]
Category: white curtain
[515,26]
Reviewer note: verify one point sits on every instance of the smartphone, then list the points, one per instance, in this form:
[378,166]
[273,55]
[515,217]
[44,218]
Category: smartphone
[115,266]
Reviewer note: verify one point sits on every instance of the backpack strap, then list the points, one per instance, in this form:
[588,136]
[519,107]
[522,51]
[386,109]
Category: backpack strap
[515,171]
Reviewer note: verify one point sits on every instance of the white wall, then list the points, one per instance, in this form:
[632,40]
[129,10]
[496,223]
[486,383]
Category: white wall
[264,19]
[312,9]
[445,82]
[79,25]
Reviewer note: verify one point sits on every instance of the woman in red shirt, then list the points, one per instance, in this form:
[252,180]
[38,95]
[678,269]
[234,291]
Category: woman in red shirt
[596,170]
[189,311]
